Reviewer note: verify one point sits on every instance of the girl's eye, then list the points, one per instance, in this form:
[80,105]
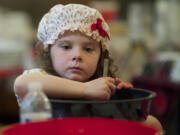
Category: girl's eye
[66,47]
[88,49]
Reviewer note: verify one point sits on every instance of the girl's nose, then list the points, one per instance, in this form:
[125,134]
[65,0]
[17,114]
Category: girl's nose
[77,55]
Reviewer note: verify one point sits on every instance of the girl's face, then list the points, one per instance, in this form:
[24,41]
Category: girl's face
[75,56]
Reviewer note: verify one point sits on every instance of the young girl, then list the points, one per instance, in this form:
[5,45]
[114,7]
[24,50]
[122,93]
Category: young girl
[73,41]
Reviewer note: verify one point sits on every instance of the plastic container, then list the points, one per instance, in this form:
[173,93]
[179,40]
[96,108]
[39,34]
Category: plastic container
[35,105]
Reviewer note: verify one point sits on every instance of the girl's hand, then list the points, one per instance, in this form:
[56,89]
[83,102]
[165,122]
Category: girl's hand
[120,84]
[100,89]
[160,133]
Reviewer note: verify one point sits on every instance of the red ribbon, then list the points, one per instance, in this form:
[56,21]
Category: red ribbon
[98,26]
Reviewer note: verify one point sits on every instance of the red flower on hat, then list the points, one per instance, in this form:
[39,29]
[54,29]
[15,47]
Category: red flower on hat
[98,26]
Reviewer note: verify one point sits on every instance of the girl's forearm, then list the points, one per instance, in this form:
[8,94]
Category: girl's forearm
[54,87]
[153,122]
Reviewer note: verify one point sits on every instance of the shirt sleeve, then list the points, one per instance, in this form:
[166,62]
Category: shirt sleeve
[30,71]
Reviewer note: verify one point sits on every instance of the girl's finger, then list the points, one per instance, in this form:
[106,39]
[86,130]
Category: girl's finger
[117,81]
[112,80]
[112,88]
[123,85]
[120,86]
[130,85]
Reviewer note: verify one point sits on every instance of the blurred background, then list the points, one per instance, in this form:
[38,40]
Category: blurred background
[145,40]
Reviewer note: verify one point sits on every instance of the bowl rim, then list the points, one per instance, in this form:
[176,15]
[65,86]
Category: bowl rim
[72,101]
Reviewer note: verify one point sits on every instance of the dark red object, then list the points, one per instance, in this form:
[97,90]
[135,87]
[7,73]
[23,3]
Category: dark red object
[8,72]
[98,26]
[81,126]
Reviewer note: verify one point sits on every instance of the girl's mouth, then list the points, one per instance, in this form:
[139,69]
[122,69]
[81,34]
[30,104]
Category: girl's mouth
[76,69]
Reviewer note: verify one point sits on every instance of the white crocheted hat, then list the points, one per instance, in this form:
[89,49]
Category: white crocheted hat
[73,17]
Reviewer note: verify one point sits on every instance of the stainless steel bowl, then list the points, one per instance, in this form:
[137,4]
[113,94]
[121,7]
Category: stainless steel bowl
[131,104]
